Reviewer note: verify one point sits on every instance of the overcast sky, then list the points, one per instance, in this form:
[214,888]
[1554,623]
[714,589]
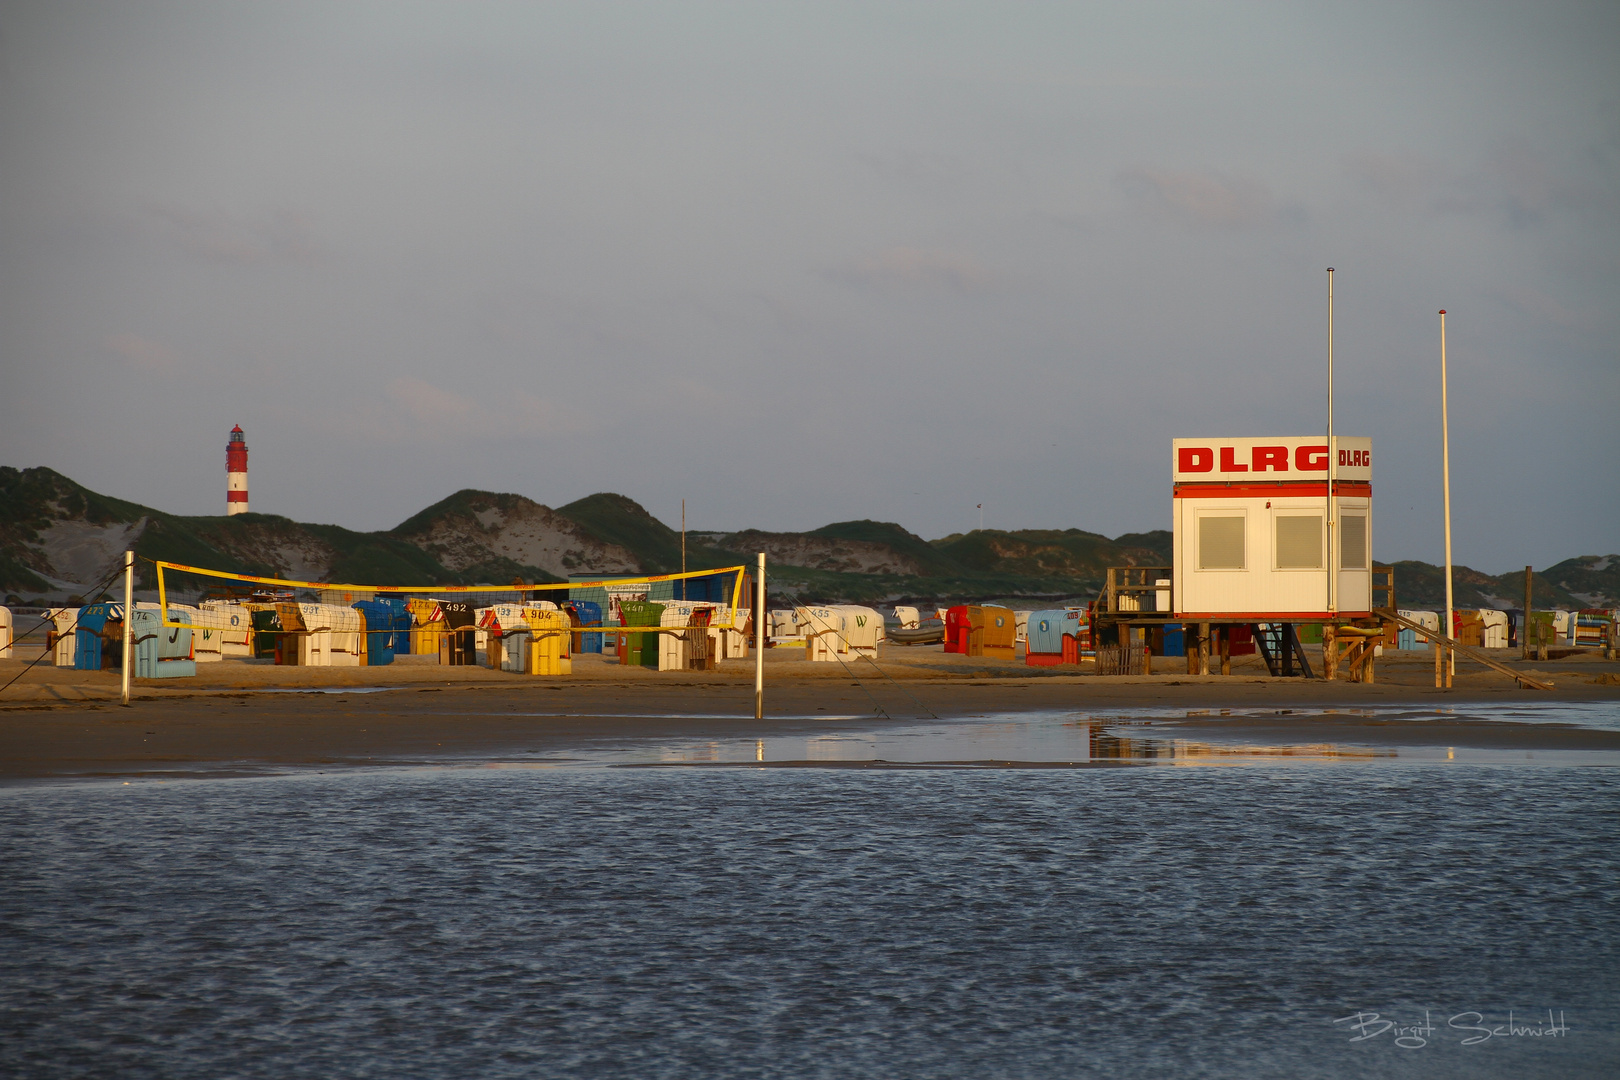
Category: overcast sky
[808,263]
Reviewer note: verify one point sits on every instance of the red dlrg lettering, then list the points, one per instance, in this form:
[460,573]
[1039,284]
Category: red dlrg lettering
[1195,459]
[1274,458]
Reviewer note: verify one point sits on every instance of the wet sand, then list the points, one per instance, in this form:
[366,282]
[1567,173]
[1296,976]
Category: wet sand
[233,719]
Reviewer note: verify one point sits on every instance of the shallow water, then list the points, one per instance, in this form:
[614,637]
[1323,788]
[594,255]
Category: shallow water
[646,922]
[1600,715]
[1146,736]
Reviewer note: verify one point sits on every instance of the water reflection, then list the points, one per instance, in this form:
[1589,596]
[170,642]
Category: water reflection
[1052,740]
[1104,744]
[696,753]
[1144,736]
[1159,737]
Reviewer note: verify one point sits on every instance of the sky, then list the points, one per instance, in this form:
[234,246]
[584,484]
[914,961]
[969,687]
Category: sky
[805,263]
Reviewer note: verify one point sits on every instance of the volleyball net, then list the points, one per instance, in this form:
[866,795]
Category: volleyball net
[251,616]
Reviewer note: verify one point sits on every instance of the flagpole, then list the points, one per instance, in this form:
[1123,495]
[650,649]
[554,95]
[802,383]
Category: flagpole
[1332,573]
[1448,630]
[759,642]
[129,624]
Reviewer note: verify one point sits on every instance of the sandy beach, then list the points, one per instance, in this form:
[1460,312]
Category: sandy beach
[242,717]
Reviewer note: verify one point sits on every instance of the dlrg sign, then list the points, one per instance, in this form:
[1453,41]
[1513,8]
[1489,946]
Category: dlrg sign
[1201,459]
[1269,459]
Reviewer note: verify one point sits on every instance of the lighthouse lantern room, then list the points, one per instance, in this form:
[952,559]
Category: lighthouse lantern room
[236,491]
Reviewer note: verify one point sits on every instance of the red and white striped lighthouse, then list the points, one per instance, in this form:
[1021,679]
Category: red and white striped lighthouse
[236,467]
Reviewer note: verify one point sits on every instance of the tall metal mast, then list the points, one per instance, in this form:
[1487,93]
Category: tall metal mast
[1333,456]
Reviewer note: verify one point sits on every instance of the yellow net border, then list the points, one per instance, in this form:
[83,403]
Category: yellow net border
[737,600]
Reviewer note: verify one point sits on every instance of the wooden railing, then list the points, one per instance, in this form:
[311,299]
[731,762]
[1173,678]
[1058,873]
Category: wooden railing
[1386,586]
[1134,589]
[1442,642]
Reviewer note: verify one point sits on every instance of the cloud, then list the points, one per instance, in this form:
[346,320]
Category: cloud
[425,402]
[1401,178]
[411,411]
[1513,184]
[1526,190]
[1538,304]
[1208,200]
[145,355]
[918,267]
[278,235]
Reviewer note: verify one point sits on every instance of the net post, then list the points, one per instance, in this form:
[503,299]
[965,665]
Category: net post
[759,642]
[129,620]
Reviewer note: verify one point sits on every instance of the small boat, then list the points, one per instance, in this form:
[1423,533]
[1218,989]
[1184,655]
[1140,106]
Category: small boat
[929,633]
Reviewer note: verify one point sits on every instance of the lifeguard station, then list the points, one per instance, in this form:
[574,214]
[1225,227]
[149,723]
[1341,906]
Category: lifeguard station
[1259,541]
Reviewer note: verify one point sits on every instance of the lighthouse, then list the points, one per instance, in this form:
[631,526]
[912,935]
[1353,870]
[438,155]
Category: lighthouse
[236,469]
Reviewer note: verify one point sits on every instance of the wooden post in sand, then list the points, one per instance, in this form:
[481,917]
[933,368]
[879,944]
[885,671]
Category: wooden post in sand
[1330,651]
[1524,623]
[1444,664]
[1226,650]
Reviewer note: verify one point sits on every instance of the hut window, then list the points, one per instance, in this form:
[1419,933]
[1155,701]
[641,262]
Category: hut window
[1220,543]
[1353,542]
[1299,542]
